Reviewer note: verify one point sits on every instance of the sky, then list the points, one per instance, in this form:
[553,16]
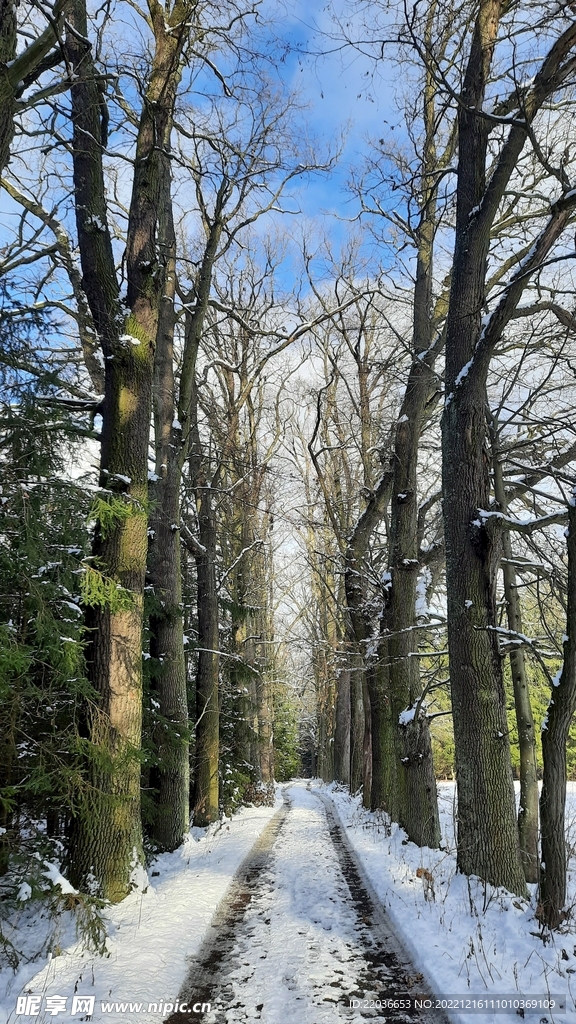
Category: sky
[346,96]
[349,98]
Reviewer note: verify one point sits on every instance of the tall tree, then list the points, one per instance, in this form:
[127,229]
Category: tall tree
[552,896]
[405,781]
[170,775]
[107,838]
[529,794]
[487,833]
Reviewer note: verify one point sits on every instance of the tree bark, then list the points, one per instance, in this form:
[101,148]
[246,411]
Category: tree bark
[416,796]
[264,684]
[487,833]
[343,725]
[7,88]
[552,895]
[170,776]
[375,698]
[107,842]
[529,795]
[206,758]
[379,733]
[243,672]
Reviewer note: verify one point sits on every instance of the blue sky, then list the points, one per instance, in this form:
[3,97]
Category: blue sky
[346,103]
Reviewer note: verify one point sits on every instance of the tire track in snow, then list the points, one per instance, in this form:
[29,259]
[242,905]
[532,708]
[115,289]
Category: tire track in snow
[299,935]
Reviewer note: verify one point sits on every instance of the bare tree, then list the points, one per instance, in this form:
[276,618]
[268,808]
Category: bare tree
[485,794]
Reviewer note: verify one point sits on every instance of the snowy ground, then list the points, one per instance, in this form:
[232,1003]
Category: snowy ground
[309,946]
[151,933]
[300,947]
[471,941]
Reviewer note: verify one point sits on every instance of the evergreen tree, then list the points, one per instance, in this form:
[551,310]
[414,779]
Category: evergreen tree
[43,516]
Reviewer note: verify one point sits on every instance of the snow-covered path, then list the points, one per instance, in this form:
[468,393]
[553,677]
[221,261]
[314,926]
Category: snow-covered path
[272,919]
[298,940]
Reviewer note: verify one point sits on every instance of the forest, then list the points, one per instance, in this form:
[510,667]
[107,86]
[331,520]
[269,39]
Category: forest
[288,447]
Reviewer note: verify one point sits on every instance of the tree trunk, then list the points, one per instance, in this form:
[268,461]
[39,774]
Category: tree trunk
[265,734]
[170,777]
[342,730]
[360,628]
[264,684]
[367,746]
[7,90]
[378,730]
[552,896]
[487,832]
[416,797]
[8,759]
[242,672]
[529,796]
[206,760]
[107,842]
[19,72]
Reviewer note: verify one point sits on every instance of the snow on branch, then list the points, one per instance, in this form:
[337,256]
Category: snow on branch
[527,526]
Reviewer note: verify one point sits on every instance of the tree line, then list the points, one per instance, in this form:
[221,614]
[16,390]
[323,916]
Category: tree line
[444,487]
[403,404]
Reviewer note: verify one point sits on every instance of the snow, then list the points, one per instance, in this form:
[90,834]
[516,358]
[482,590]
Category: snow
[512,635]
[299,940]
[24,892]
[304,892]
[424,581]
[463,373]
[406,716]
[470,939]
[150,934]
[486,514]
[52,872]
[96,222]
